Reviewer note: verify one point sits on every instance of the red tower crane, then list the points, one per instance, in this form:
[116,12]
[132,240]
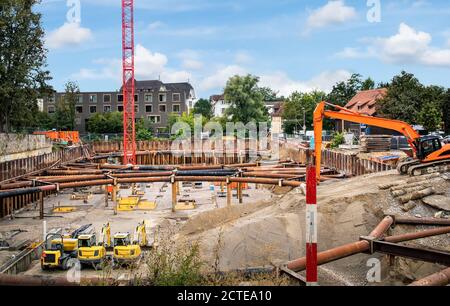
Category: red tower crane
[128,88]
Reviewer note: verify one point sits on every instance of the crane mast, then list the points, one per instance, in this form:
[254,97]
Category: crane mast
[128,83]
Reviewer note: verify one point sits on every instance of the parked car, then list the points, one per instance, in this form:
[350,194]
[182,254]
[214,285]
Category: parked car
[446,139]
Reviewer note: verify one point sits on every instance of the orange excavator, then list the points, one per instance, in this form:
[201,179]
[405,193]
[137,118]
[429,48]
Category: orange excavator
[429,153]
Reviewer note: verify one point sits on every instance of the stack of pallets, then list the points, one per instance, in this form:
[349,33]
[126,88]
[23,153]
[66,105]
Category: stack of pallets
[375,143]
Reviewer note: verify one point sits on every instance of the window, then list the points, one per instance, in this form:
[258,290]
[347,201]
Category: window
[136,109]
[154,119]
[79,109]
[107,108]
[51,99]
[162,108]
[106,98]
[93,98]
[93,109]
[120,108]
[148,98]
[51,109]
[176,108]
[176,97]
[120,98]
[162,97]
[80,99]
[149,108]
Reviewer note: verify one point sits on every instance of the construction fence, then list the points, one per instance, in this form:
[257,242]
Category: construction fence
[348,163]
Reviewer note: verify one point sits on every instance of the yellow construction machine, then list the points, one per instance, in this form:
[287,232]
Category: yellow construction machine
[91,252]
[59,252]
[127,251]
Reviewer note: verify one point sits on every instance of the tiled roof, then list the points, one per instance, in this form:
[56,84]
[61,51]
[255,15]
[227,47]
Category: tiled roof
[364,101]
[215,98]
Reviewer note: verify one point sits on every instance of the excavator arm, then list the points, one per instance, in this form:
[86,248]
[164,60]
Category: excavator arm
[347,115]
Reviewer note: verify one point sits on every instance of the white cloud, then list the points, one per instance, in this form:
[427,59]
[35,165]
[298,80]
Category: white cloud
[278,80]
[282,83]
[69,34]
[148,65]
[242,57]
[220,77]
[190,59]
[407,46]
[155,25]
[334,12]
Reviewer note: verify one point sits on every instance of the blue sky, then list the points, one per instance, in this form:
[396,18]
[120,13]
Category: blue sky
[290,44]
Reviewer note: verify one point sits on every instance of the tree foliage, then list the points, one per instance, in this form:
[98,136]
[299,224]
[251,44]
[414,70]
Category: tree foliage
[344,91]
[64,116]
[245,99]
[268,93]
[298,106]
[22,62]
[410,101]
[102,123]
[446,112]
[203,107]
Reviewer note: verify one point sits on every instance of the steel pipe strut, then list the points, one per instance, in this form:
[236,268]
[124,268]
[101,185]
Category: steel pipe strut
[441,278]
[345,250]
[420,221]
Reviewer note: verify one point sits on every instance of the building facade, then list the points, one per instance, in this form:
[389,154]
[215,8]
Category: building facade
[219,105]
[154,100]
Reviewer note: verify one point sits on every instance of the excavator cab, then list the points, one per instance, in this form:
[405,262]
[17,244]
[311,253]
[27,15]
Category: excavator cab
[89,253]
[427,146]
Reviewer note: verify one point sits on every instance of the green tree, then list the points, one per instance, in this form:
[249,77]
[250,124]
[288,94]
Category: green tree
[44,121]
[65,108]
[410,101]
[344,91]
[143,130]
[106,123]
[203,107]
[446,112]
[268,93]
[430,117]
[22,62]
[245,99]
[298,107]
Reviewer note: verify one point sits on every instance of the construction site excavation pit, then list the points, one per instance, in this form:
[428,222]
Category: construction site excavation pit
[240,227]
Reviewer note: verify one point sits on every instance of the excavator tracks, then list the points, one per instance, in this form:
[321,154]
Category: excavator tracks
[403,167]
[427,168]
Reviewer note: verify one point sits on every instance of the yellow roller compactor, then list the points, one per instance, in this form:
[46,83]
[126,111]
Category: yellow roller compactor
[61,251]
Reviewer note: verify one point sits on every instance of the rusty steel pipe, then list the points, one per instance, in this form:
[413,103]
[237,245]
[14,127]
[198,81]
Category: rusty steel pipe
[420,221]
[418,235]
[441,278]
[22,280]
[16,185]
[75,178]
[73,172]
[345,250]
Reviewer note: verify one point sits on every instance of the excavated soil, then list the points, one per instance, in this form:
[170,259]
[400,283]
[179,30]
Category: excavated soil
[272,232]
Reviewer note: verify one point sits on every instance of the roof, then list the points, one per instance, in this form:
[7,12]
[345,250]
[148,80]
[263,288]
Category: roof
[278,109]
[156,85]
[215,98]
[364,101]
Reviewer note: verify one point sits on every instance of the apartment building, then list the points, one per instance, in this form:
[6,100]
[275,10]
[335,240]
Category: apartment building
[154,100]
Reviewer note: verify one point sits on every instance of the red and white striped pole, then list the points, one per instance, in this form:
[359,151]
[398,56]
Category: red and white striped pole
[311,225]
